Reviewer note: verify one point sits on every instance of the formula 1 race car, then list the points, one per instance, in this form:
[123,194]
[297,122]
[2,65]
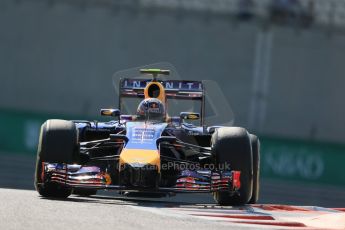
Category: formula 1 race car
[150,148]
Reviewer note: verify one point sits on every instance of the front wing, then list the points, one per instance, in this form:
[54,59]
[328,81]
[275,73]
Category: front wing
[92,177]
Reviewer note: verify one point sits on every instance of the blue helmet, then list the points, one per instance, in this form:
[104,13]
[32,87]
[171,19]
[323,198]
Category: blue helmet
[151,109]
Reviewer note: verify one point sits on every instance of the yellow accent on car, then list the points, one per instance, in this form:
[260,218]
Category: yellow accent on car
[161,96]
[192,116]
[140,156]
[106,112]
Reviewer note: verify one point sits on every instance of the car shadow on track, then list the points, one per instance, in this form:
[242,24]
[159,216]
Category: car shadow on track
[180,200]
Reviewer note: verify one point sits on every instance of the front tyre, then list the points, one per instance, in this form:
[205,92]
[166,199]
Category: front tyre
[58,143]
[232,145]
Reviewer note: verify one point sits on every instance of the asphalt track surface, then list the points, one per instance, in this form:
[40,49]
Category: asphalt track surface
[24,209]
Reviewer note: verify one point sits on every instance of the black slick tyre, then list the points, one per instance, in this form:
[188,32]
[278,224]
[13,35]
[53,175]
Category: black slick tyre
[232,146]
[58,143]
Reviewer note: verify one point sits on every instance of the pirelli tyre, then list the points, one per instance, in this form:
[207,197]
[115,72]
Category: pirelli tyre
[256,168]
[232,146]
[58,143]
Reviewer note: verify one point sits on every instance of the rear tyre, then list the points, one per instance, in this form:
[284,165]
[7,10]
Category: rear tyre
[256,168]
[231,145]
[58,143]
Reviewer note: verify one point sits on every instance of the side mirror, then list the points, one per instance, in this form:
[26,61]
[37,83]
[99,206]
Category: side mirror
[128,117]
[189,116]
[110,112]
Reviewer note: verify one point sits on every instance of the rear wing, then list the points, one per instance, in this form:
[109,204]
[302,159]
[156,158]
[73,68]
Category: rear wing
[174,89]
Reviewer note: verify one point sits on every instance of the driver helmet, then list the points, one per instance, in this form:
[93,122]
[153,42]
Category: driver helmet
[151,109]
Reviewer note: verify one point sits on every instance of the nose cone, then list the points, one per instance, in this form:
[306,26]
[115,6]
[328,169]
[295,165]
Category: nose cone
[139,168]
[140,158]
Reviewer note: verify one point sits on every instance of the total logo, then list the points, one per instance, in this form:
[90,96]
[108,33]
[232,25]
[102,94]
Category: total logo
[288,162]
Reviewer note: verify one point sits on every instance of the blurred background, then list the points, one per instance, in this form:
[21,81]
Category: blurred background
[280,63]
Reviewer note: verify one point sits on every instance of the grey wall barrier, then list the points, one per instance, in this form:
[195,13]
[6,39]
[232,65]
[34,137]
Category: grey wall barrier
[59,58]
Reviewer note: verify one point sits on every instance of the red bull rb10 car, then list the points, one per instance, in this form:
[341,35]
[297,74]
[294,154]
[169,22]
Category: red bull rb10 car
[149,149]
